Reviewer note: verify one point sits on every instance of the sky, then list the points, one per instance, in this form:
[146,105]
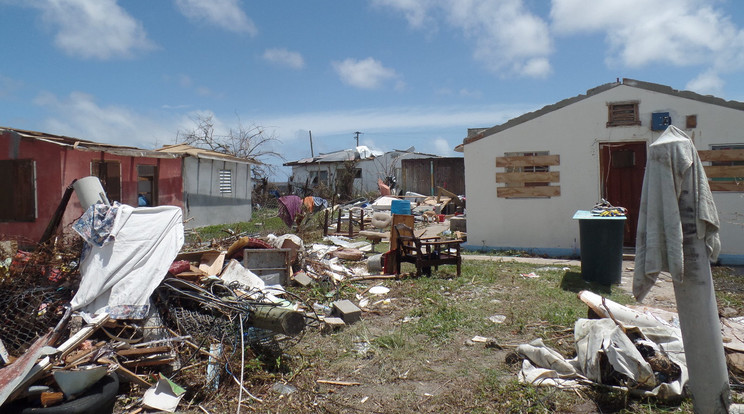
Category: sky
[404,73]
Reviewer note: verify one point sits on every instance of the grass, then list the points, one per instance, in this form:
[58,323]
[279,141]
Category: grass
[412,352]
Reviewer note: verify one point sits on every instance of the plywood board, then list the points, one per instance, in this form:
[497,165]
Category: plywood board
[541,191]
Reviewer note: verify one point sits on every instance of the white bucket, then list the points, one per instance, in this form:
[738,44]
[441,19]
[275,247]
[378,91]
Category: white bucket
[90,191]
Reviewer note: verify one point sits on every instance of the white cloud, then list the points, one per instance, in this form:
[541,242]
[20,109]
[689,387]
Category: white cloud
[365,74]
[641,32]
[443,148]
[393,119]
[707,83]
[284,57]
[415,11]
[93,29]
[506,37]
[226,14]
[78,115]
[8,86]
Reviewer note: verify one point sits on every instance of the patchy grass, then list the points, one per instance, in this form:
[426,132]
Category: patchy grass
[411,352]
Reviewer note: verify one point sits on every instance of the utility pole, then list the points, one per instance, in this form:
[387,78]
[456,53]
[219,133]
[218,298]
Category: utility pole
[357,137]
[312,154]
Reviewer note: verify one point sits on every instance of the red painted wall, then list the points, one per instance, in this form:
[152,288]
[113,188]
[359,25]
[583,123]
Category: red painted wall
[58,166]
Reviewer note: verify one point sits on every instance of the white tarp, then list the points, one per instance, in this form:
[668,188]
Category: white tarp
[119,276]
[659,238]
[602,339]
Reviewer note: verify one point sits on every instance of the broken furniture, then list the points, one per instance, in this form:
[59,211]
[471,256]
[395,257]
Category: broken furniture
[425,252]
[380,221]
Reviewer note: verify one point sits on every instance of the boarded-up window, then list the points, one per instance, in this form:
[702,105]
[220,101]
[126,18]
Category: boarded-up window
[622,113]
[726,169]
[147,185]
[527,174]
[19,190]
[109,172]
[226,184]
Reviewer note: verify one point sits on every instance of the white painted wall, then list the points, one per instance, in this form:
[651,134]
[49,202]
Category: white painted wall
[202,198]
[574,132]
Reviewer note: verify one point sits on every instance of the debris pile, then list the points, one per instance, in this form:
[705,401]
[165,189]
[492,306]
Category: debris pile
[127,308]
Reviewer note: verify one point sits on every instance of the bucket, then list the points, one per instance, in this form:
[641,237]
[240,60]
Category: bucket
[90,191]
[440,217]
[400,207]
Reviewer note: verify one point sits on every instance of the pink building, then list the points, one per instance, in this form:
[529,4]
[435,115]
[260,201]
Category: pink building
[36,168]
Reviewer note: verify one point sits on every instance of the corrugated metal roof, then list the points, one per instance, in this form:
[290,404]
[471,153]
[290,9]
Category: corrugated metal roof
[185,149]
[86,145]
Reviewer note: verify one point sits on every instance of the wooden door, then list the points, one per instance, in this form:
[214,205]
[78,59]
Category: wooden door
[622,166]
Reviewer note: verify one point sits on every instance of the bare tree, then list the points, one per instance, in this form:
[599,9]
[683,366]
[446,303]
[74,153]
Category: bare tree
[250,142]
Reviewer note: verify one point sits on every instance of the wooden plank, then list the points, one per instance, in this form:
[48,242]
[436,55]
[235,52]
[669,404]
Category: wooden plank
[134,352]
[722,155]
[726,186]
[724,171]
[342,383]
[529,177]
[528,160]
[125,373]
[540,191]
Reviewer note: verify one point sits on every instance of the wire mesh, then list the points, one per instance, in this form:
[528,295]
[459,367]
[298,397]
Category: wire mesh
[33,293]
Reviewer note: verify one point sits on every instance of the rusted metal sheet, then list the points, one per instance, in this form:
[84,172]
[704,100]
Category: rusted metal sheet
[448,173]
[12,375]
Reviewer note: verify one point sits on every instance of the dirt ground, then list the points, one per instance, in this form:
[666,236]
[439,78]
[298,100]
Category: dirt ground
[365,370]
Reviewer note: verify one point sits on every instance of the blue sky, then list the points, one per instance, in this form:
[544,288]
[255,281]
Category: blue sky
[403,72]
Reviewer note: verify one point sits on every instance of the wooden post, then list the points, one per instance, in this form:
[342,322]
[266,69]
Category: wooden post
[325,223]
[351,222]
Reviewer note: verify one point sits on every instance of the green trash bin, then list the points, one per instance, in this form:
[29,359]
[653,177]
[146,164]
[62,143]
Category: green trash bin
[601,244]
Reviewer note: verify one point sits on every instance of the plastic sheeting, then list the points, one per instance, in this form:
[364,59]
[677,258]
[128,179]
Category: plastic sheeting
[119,276]
[599,342]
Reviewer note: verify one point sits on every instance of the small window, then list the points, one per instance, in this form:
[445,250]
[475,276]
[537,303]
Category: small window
[622,114]
[318,177]
[19,188]
[226,182]
[357,173]
[691,121]
[147,185]
[109,172]
[623,159]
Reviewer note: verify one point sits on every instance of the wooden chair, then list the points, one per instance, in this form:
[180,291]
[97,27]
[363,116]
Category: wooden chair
[425,252]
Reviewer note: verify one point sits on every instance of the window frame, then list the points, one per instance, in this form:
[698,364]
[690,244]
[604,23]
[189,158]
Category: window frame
[110,177]
[618,114]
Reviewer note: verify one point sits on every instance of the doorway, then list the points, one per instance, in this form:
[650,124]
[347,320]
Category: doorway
[622,166]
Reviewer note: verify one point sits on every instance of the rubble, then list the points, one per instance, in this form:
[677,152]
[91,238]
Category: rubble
[128,303]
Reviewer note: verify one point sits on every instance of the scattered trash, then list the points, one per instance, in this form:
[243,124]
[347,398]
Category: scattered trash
[283,389]
[497,318]
[530,275]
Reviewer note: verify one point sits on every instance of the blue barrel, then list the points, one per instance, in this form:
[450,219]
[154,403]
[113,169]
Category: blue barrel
[400,207]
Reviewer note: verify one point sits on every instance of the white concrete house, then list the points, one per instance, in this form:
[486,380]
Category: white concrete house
[526,178]
[369,167]
[216,187]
